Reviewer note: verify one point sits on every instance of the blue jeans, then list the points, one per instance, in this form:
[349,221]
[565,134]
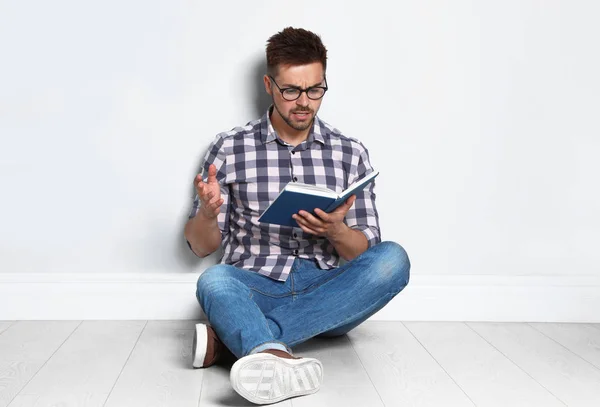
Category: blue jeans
[251,312]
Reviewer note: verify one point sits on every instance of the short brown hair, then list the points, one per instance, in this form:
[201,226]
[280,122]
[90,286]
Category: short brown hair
[295,46]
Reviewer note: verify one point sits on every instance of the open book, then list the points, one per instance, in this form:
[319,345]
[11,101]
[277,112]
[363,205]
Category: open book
[296,196]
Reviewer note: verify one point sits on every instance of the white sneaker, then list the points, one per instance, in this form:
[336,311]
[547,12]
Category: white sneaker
[274,375]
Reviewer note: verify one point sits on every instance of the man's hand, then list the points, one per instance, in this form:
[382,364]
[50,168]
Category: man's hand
[326,224]
[209,193]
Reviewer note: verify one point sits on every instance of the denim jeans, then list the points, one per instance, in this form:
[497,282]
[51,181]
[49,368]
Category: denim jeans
[251,312]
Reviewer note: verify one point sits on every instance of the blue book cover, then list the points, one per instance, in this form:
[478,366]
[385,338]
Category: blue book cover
[296,196]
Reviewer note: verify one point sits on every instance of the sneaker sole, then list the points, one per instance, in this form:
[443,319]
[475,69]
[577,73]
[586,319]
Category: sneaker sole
[263,378]
[199,346]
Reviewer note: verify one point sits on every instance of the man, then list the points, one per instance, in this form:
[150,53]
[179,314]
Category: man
[278,286]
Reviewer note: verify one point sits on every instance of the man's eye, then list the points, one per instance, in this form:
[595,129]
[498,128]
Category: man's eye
[291,91]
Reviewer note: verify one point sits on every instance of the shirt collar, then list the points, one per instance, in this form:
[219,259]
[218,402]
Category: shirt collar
[267,132]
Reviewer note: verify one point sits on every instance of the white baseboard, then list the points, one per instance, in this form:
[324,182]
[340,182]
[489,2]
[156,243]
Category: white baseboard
[45,296]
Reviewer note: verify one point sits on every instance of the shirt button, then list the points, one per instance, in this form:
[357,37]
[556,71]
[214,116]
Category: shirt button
[295,179]
[295,235]
[295,252]
[293,152]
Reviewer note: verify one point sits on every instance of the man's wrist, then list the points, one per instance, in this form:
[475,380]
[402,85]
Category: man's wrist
[339,234]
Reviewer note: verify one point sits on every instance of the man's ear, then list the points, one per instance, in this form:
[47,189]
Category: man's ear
[268,85]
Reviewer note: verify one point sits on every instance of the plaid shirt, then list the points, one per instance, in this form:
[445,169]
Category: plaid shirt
[254,164]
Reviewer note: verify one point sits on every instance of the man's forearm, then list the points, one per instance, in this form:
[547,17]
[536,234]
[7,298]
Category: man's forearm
[349,243]
[203,234]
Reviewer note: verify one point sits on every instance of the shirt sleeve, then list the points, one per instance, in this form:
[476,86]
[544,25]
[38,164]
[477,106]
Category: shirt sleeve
[216,155]
[363,214]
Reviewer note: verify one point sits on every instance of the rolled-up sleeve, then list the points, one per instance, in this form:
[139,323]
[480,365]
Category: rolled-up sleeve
[363,214]
[216,155]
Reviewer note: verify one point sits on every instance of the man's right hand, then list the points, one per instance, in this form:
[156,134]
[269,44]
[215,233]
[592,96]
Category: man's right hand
[209,193]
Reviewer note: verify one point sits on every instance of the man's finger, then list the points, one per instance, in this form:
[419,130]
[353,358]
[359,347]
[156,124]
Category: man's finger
[305,228]
[213,207]
[205,197]
[323,215]
[217,203]
[213,199]
[212,173]
[348,204]
[310,219]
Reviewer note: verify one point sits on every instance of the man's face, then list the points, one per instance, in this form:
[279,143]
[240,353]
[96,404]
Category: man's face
[299,113]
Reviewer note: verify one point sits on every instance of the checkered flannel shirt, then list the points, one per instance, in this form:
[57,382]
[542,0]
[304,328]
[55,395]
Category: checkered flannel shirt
[254,164]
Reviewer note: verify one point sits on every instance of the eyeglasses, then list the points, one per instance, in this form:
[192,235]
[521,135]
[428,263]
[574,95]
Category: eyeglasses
[293,93]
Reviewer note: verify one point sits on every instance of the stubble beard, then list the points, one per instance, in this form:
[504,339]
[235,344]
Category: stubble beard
[291,123]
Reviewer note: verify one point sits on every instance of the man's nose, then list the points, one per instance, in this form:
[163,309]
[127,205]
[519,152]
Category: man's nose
[303,100]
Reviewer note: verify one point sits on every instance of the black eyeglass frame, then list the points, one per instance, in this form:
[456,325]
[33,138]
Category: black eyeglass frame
[282,90]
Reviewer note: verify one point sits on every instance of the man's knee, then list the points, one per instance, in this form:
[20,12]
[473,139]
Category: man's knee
[392,266]
[212,280]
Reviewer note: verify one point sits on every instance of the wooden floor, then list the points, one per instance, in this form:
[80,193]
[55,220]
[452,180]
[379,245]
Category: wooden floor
[147,363]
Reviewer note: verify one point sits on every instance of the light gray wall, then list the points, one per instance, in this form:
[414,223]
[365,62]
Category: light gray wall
[482,117]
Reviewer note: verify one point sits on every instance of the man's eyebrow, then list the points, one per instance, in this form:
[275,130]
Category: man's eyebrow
[289,85]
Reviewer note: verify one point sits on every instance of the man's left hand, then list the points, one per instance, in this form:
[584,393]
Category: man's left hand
[325,224]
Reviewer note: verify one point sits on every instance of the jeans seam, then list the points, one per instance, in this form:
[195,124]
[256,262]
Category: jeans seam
[269,295]
[312,288]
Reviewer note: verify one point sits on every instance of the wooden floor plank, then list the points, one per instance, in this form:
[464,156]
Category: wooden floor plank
[83,371]
[581,339]
[345,380]
[403,372]
[5,324]
[24,348]
[573,380]
[484,374]
[131,363]
[159,371]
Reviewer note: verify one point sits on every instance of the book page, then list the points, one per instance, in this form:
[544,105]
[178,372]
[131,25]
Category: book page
[310,189]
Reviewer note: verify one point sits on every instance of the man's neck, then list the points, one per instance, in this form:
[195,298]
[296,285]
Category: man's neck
[287,133]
